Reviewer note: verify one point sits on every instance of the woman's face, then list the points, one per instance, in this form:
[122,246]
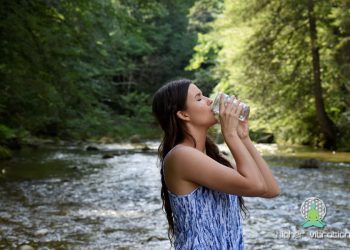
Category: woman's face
[198,107]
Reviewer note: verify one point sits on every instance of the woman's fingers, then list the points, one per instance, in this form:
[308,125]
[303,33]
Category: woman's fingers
[232,106]
[229,105]
[236,106]
[222,104]
[229,116]
[239,109]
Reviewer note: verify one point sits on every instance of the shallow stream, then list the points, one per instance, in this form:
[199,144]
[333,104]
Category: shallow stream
[64,197]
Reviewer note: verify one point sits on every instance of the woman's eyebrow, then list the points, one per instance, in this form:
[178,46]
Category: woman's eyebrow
[198,94]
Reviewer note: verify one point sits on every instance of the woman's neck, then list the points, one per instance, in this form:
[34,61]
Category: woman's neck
[200,136]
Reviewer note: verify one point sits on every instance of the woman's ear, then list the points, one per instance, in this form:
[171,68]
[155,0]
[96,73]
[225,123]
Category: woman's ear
[183,115]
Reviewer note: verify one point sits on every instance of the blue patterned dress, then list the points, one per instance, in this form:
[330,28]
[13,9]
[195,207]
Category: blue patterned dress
[206,219]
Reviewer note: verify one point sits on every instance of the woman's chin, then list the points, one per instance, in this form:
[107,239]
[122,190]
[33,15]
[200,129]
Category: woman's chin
[214,121]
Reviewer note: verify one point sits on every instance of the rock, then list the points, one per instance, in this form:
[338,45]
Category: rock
[155,238]
[31,142]
[5,153]
[119,152]
[41,232]
[107,156]
[106,140]
[92,148]
[135,139]
[8,138]
[35,142]
[13,143]
[289,150]
[45,141]
[26,247]
[310,163]
[145,148]
[267,138]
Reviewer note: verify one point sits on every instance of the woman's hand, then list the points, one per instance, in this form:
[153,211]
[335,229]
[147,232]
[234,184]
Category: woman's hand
[243,129]
[229,114]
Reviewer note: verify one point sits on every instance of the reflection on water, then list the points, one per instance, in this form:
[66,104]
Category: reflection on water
[68,198]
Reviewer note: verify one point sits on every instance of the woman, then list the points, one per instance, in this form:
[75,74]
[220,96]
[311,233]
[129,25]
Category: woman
[201,189]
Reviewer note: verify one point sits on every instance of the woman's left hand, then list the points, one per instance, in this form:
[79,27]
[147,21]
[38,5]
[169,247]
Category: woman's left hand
[243,129]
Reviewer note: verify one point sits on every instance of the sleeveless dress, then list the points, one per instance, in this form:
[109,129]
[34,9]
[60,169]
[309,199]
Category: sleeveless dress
[206,219]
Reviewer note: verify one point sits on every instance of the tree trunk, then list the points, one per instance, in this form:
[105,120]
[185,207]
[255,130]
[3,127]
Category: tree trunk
[326,124]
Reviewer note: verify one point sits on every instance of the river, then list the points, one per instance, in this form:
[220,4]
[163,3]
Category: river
[64,197]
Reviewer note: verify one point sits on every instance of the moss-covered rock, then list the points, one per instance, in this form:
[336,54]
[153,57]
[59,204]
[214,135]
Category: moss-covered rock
[9,138]
[135,138]
[5,153]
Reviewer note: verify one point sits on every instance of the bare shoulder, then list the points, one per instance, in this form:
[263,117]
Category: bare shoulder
[176,168]
[187,168]
[190,164]
[182,155]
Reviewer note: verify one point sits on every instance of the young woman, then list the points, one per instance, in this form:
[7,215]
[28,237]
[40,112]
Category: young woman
[201,190]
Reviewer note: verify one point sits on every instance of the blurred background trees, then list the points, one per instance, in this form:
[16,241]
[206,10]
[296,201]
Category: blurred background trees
[87,69]
[84,68]
[290,60]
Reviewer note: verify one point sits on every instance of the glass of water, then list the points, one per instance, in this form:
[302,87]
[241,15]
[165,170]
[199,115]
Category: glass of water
[216,106]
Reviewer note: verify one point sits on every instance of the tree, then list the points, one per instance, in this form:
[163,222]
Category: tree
[326,124]
[283,58]
[71,67]
[201,16]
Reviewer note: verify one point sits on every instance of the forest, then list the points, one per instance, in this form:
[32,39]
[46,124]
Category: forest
[87,70]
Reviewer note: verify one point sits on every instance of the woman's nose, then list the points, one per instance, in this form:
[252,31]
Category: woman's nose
[210,101]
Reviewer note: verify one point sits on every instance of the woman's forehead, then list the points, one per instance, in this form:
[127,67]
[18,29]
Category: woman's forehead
[193,89]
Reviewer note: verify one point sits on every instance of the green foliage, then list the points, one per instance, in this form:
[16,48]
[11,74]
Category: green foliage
[136,105]
[6,132]
[82,69]
[264,57]
[205,58]
[68,68]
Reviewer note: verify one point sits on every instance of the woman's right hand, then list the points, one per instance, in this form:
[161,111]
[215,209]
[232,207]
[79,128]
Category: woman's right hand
[229,114]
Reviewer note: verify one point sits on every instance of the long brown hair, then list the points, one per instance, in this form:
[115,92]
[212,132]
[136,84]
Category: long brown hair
[169,99]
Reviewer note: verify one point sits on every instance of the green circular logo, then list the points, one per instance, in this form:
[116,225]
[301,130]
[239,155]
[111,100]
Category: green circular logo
[313,210]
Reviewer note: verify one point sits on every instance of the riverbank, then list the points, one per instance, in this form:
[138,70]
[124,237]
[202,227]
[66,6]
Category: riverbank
[291,155]
[300,156]
[123,130]
[68,196]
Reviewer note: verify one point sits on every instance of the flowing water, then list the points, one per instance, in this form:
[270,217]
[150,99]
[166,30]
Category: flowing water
[64,197]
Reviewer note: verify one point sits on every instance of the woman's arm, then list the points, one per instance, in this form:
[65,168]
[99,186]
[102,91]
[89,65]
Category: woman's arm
[245,163]
[187,164]
[273,189]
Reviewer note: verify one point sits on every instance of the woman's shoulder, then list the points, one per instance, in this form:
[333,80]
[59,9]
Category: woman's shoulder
[180,150]
[181,155]
[176,166]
